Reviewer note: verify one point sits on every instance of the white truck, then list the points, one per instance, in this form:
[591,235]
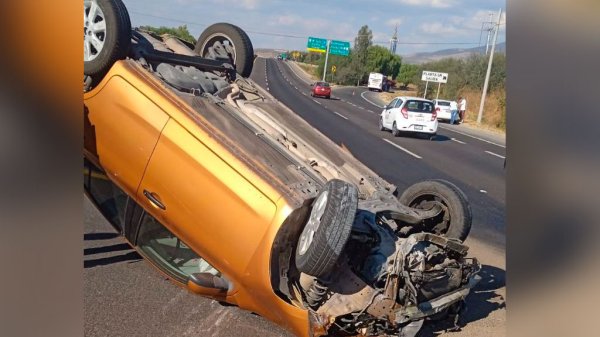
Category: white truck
[376,81]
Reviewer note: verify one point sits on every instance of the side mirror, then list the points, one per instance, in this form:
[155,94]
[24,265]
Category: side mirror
[208,284]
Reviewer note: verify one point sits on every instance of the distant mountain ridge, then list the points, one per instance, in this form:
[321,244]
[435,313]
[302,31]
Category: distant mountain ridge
[458,53]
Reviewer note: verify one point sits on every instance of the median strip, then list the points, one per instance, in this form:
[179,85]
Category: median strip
[403,149]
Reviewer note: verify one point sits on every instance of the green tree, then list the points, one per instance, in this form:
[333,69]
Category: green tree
[181,32]
[362,42]
[408,74]
[381,60]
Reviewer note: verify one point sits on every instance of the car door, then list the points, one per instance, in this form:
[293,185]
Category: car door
[395,111]
[387,119]
[201,197]
[124,126]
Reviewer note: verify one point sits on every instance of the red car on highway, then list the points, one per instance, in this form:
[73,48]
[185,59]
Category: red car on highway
[321,89]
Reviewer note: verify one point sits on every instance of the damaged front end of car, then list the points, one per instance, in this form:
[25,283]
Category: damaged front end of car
[390,277]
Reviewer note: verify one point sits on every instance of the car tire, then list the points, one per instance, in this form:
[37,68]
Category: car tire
[328,229]
[381,128]
[328,97]
[395,131]
[107,36]
[240,50]
[455,220]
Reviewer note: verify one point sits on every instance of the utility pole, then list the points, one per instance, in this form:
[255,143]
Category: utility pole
[489,69]
[489,30]
[326,58]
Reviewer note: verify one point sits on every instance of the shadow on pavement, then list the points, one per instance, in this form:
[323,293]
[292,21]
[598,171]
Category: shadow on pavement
[131,256]
[99,236]
[440,138]
[106,249]
[482,301]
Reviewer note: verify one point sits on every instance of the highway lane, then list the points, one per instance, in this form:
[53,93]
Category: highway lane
[352,125]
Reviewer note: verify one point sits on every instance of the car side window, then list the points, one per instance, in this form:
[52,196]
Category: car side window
[168,252]
[392,103]
[398,103]
[110,200]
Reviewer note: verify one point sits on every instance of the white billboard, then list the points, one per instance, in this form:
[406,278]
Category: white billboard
[432,76]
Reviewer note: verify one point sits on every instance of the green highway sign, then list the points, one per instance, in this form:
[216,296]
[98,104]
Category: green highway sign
[339,48]
[317,45]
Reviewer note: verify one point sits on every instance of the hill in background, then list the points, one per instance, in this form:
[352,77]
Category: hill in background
[458,53]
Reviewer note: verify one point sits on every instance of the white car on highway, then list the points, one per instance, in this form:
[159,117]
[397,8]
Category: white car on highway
[444,112]
[409,114]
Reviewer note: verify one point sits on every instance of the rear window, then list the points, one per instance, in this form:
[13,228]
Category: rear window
[419,106]
[443,103]
[322,84]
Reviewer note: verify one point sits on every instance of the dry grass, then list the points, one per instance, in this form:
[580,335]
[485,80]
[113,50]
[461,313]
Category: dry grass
[494,113]
[388,96]
[310,69]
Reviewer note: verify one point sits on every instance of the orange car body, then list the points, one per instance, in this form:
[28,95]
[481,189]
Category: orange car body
[134,118]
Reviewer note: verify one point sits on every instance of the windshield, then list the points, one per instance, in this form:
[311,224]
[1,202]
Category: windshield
[419,106]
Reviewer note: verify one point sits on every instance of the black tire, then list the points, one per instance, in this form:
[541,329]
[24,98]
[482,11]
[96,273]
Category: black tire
[381,128]
[318,256]
[242,46]
[328,97]
[395,131]
[117,38]
[456,221]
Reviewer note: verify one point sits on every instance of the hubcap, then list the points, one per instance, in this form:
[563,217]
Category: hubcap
[313,223]
[94,30]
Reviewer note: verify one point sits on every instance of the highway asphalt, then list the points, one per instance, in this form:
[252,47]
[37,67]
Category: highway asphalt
[473,163]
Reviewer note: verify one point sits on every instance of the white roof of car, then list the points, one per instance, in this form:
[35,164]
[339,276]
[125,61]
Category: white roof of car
[404,98]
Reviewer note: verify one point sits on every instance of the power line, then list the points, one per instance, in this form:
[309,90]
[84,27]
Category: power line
[295,36]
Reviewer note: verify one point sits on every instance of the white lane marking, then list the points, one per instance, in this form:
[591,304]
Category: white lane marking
[483,191]
[371,111]
[458,141]
[360,107]
[339,114]
[468,135]
[319,103]
[368,100]
[304,93]
[403,149]
[495,154]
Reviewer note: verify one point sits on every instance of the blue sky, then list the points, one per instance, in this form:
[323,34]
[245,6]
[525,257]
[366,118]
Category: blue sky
[452,22]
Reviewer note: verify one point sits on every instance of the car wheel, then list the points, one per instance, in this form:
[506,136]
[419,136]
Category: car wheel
[381,128]
[455,219]
[395,131]
[328,97]
[326,232]
[106,36]
[228,42]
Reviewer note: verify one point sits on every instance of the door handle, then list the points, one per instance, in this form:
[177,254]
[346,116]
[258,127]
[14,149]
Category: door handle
[153,199]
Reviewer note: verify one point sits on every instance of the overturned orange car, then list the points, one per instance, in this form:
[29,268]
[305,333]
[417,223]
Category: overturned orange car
[233,196]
